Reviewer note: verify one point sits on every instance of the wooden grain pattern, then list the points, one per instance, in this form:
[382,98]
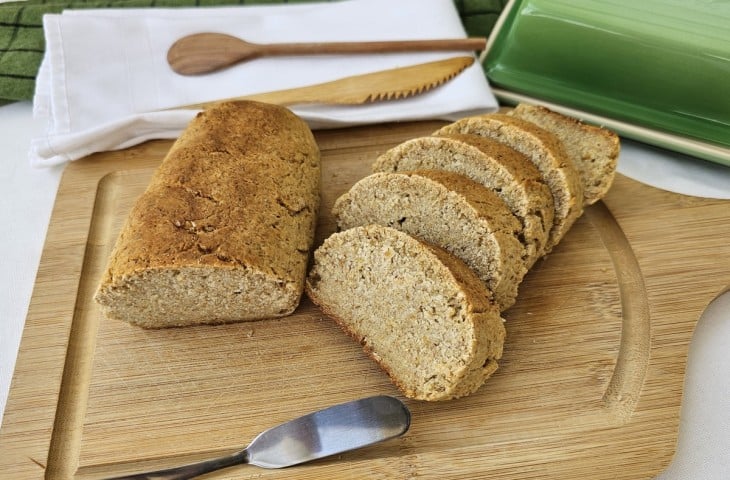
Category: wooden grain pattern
[589,387]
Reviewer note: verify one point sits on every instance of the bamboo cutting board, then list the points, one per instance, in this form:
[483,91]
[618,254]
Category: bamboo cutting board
[589,387]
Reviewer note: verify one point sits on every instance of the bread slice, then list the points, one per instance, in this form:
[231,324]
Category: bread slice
[505,171]
[418,311]
[545,150]
[448,210]
[593,150]
[224,229]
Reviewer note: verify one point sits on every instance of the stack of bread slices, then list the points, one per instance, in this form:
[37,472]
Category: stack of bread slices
[433,245]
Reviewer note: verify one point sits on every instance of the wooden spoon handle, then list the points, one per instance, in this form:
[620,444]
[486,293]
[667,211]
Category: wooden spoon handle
[209,52]
[469,44]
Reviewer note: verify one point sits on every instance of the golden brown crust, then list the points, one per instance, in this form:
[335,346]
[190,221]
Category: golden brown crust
[238,192]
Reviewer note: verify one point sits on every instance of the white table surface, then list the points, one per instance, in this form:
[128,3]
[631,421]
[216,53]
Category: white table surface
[703,450]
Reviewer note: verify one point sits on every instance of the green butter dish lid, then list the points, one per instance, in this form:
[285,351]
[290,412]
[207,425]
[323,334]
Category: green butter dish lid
[657,70]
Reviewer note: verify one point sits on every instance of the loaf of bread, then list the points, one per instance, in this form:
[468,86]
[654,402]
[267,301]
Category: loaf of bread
[445,209]
[594,151]
[224,230]
[418,311]
[545,150]
[503,170]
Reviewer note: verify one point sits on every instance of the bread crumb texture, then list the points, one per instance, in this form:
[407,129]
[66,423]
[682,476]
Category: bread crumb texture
[449,210]
[417,310]
[546,152]
[224,229]
[499,168]
[593,150]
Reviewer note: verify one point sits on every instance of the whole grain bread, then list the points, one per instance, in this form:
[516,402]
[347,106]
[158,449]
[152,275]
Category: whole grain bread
[545,150]
[418,311]
[505,171]
[593,150]
[449,210]
[224,230]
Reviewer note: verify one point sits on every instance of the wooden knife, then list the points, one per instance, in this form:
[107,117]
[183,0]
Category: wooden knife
[390,84]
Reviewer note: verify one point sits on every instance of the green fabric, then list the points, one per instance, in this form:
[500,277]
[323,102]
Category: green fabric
[22,43]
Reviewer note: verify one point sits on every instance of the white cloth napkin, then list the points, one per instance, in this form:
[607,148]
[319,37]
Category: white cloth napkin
[105,72]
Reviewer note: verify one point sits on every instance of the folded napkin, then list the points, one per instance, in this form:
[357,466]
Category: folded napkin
[105,74]
[22,42]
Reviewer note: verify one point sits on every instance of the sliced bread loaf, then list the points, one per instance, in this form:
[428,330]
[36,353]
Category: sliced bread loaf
[224,229]
[594,151]
[418,311]
[448,210]
[545,150]
[505,171]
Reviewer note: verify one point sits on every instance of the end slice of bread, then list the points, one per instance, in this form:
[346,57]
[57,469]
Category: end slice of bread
[449,210]
[503,170]
[545,150]
[593,150]
[418,311]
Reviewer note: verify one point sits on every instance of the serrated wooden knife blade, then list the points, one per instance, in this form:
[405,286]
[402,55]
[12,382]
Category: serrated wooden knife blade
[389,84]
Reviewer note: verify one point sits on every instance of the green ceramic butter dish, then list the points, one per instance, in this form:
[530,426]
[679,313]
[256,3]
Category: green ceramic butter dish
[654,70]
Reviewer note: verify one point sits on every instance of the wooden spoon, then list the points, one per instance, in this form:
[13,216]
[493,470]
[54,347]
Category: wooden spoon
[209,52]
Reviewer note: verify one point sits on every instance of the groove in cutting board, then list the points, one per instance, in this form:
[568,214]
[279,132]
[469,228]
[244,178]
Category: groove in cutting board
[68,426]
[624,389]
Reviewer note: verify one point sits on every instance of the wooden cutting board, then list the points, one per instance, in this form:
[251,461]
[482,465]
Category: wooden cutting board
[589,387]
